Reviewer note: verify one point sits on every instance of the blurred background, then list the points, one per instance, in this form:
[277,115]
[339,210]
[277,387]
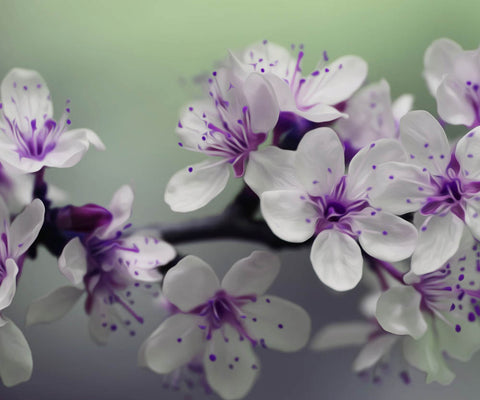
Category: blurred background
[128,66]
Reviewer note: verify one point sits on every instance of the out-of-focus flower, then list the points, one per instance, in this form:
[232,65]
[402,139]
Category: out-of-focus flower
[312,97]
[228,127]
[453,78]
[30,138]
[443,184]
[306,193]
[105,262]
[221,323]
[15,239]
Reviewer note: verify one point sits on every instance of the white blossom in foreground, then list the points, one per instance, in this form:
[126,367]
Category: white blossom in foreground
[453,78]
[15,239]
[106,264]
[221,323]
[30,138]
[442,183]
[306,193]
[438,313]
[227,127]
[372,116]
[314,96]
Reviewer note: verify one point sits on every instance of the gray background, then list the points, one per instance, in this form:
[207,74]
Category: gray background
[128,66]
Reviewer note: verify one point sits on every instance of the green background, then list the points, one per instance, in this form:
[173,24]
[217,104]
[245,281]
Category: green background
[128,66]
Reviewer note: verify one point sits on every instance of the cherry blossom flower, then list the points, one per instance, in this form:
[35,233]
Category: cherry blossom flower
[372,116]
[453,78]
[443,184]
[16,238]
[30,138]
[227,127]
[438,312]
[306,193]
[221,323]
[105,264]
[312,97]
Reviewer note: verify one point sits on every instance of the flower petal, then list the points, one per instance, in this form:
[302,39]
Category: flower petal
[472,216]
[398,312]
[277,323]
[194,187]
[337,260]
[438,240]
[288,214]
[373,352]
[8,284]
[25,97]
[425,141]
[190,283]
[402,105]
[467,153]
[384,235]
[163,352]
[252,275]
[342,334]
[460,345]
[25,228]
[121,209]
[319,161]
[231,366]
[73,261]
[271,169]
[453,104]
[53,306]
[16,362]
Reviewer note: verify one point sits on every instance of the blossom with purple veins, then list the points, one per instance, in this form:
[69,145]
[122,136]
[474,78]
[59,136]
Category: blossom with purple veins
[106,262]
[30,138]
[307,193]
[221,323]
[227,127]
[453,78]
[312,97]
[442,183]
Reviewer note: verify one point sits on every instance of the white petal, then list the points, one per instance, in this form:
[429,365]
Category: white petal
[438,240]
[25,228]
[373,352]
[262,103]
[53,306]
[401,106]
[345,75]
[288,214]
[319,161]
[190,283]
[398,312]
[439,60]
[337,260]
[453,104]
[25,97]
[426,355]
[8,284]
[425,141]
[472,216]
[385,236]
[194,187]
[460,345]
[15,356]
[231,379]
[252,275]
[163,351]
[121,209]
[342,334]
[271,169]
[467,152]
[399,188]
[281,324]
[319,113]
[73,261]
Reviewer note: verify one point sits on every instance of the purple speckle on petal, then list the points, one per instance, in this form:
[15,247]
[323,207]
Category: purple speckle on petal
[212,357]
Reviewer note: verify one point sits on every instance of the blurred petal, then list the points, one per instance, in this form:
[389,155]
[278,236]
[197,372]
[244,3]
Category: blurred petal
[73,261]
[342,334]
[373,352]
[25,228]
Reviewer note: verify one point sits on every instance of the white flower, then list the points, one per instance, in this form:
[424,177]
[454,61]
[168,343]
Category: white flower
[312,97]
[15,239]
[222,322]
[306,193]
[227,127]
[29,137]
[453,78]
[105,264]
[440,182]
